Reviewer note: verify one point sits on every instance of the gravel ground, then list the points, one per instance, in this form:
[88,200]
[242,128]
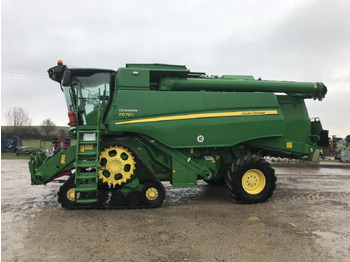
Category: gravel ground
[307,219]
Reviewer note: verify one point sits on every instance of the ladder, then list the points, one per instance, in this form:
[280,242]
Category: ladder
[86,165]
[87,157]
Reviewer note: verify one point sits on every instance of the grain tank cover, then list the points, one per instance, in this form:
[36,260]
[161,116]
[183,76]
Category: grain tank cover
[159,67]
[143,76]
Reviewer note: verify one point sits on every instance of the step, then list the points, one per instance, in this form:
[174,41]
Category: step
[85,175]
[88,128]
[86,201]
[91,130]
[86,187]
[89,153]
[87,142]
[88,163]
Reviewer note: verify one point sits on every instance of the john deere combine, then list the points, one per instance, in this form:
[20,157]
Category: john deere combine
[147,123]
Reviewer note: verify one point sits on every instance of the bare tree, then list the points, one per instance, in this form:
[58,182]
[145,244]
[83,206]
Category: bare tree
[62,133]
[17,117]
[48,126]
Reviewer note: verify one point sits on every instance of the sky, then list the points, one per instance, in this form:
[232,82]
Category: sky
[294,40]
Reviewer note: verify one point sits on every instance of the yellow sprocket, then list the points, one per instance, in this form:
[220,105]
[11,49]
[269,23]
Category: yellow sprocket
[117,165]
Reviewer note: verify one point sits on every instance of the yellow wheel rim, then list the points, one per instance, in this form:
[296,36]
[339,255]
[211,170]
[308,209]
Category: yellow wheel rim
[253,181]
[71,194]
[119,165]
[151,193]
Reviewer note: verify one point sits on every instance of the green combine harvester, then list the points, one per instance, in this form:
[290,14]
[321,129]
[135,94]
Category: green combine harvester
[148,123]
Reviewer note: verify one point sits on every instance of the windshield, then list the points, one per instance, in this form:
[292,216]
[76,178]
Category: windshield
[88,92]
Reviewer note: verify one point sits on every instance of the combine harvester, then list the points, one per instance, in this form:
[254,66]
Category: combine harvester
[147,123]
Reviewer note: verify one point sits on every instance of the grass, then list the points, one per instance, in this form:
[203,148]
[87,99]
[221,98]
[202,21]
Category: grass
[8,155]
[30,142]
[35,143]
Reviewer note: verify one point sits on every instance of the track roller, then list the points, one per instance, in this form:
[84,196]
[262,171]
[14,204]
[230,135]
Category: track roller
[152,194]
[118,198]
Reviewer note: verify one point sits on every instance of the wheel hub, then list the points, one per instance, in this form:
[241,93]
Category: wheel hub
[152,193]
[114,166]
[119,165]
[71,194]
[253,181]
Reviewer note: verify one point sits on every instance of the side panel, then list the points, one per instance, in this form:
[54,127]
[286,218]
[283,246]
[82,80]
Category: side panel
[297,121]
[297,136]
[261,117]
[186,119]
[130,105]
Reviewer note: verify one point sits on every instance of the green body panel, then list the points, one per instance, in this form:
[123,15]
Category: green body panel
[155,107]
[135,76]
[42,170]
[230,131]
[142,79]
[297,129]
[164,162]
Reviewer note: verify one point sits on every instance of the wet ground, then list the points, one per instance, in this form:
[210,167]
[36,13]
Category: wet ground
[307,219]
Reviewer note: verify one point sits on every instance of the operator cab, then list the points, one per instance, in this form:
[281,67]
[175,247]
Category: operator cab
[87,91]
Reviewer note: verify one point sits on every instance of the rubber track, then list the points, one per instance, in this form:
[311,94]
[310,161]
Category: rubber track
[96,206]
[106,207]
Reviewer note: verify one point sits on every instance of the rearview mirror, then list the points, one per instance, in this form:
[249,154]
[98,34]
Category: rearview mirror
[66,78]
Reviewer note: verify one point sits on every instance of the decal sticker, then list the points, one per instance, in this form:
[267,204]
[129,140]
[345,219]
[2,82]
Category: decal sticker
[126,114]
[200,139]
[128,110]
[194,116]
[89,147]
[123,112]
[63,159]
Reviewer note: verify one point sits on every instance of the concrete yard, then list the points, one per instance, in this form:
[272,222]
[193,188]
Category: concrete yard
[307,219]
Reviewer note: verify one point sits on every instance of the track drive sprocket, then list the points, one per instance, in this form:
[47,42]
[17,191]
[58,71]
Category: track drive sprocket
[117,165]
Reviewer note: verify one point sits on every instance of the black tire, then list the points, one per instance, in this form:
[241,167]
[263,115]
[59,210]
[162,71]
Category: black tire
[65,194]
[133,198]
[118,199]
[152,194]
[101,198]
[251,180]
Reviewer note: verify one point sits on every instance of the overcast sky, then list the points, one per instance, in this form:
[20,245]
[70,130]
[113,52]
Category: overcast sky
[296,40]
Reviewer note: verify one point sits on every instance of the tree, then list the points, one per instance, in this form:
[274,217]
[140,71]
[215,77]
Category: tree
[18,117]
[62,133]
[48,126]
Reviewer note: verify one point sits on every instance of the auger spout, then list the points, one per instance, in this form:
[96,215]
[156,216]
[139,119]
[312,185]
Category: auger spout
[302,89]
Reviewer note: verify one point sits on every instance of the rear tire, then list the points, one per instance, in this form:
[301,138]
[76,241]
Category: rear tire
[251,180]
